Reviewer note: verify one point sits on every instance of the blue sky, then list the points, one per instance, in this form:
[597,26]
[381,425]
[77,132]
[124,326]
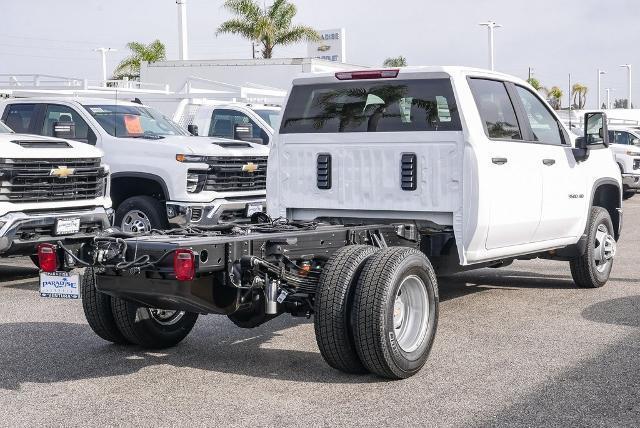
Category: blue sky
[554,37]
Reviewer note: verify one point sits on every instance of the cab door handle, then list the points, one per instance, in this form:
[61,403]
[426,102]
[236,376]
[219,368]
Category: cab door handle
[499,161]
[549,162]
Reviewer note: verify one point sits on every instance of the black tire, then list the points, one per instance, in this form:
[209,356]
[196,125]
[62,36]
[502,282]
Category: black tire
[137,324]
[154,210]
[628,195]
[97,310]
[583,268]
[333,308]
[377,344]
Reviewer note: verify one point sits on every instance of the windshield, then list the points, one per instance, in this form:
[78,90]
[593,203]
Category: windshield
[133,121]
[269,116]
[4,129]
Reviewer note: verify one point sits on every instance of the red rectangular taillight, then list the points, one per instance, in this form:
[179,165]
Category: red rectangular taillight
[47,257]
[184,264]
[367,74]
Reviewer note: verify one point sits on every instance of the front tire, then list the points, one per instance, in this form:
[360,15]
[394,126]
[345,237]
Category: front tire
[98,311]
[592,268]
[152,328]
[140,214]
[333,308]
[396,312]
[628,194]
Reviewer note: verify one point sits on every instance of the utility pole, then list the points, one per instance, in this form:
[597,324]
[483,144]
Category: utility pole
[530,73]
[609,90]
[569,100]
[600,73]
[490,27]
[183,41]
[103,52]
[628,67]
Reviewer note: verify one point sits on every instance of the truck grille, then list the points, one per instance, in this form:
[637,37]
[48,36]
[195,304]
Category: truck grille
[236,174]
[38,180]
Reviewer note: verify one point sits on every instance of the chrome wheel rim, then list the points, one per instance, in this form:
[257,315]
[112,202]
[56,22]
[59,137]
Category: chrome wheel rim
[166,317]
[411,313]
[135,221]
[604,248]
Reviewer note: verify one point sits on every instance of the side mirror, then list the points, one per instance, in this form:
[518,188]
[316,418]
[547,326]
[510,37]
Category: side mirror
[193,129]
[595,129]
[244,132]
[635,141]
[64,130]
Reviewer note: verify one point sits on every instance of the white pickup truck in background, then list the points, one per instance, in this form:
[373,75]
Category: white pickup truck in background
[625,143]
[219,119]
[50,190]
[162,177]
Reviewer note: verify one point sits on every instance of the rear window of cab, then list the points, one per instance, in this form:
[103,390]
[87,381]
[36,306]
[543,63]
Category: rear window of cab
[372,106]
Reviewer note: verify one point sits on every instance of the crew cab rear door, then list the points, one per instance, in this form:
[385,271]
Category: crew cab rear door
[369,146]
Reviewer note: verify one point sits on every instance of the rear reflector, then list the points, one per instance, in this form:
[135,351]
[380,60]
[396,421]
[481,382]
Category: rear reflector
[47,257]
[184,264]
[367,74]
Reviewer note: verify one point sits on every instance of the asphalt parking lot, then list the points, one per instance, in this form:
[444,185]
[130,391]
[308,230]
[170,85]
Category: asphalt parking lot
[518,346]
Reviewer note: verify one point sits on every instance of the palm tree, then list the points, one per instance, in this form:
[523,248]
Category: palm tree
[554,96]
[130,66]
[579,92]
[270,26]
[535,83]
[398,61]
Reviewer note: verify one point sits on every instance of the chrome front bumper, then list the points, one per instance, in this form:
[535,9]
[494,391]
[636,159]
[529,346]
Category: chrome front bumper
[186,213]
[21,232]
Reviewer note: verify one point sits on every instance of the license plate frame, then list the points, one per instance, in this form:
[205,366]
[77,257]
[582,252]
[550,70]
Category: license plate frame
[60,285]
[252,208]
[67,226]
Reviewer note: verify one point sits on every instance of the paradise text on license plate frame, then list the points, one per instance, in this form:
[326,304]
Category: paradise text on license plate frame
[60,285]
[254,207]
[67,226]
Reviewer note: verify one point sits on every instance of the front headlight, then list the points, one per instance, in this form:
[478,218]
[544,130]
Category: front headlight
[191,158]
[632,153]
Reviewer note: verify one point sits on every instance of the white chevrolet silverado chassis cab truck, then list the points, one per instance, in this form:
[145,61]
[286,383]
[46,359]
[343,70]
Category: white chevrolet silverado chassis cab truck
[50,190]
[378,182]
[162,177]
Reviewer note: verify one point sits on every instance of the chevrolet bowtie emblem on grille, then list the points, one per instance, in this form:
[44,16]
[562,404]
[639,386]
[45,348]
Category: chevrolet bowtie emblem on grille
[249,167]
[62,172]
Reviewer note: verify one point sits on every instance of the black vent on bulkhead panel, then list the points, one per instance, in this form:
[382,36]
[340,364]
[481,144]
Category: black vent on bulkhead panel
[324,171]
[409,171]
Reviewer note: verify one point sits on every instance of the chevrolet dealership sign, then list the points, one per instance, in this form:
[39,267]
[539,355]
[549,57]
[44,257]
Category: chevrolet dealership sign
[331,46]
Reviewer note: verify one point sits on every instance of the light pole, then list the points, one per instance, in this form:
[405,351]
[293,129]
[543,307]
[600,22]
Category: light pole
[600,73]
[609,90]
[183,42]
[490,27]
[103,52]
[628,67]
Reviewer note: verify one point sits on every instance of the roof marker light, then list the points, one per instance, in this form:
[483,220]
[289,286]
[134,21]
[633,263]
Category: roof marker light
[367,74]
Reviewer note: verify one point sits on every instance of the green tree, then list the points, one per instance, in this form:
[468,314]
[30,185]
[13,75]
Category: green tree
[554,96]
[398,61]
[535,83]
[130,66]
[269,26]
[579,93]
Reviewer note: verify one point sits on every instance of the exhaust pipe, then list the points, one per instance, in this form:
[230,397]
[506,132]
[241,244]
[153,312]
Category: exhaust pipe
[271,297]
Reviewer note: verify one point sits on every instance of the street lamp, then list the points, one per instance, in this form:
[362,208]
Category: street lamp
[609,90]
[628,67]
[103,52]
[600,73]
[490,27]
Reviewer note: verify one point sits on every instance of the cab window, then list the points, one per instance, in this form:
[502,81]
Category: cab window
[496,109]
[223,122]
[19,117]
[543,124]
[58,113]
[621,137]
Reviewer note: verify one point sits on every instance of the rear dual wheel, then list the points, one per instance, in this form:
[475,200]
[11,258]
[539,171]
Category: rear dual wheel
[122,322]
[377,311]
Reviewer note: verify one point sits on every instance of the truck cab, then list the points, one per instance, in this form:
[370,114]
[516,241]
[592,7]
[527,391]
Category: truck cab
[475,152]
[50,190]
[221,119]
[625,143]
[162,176]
